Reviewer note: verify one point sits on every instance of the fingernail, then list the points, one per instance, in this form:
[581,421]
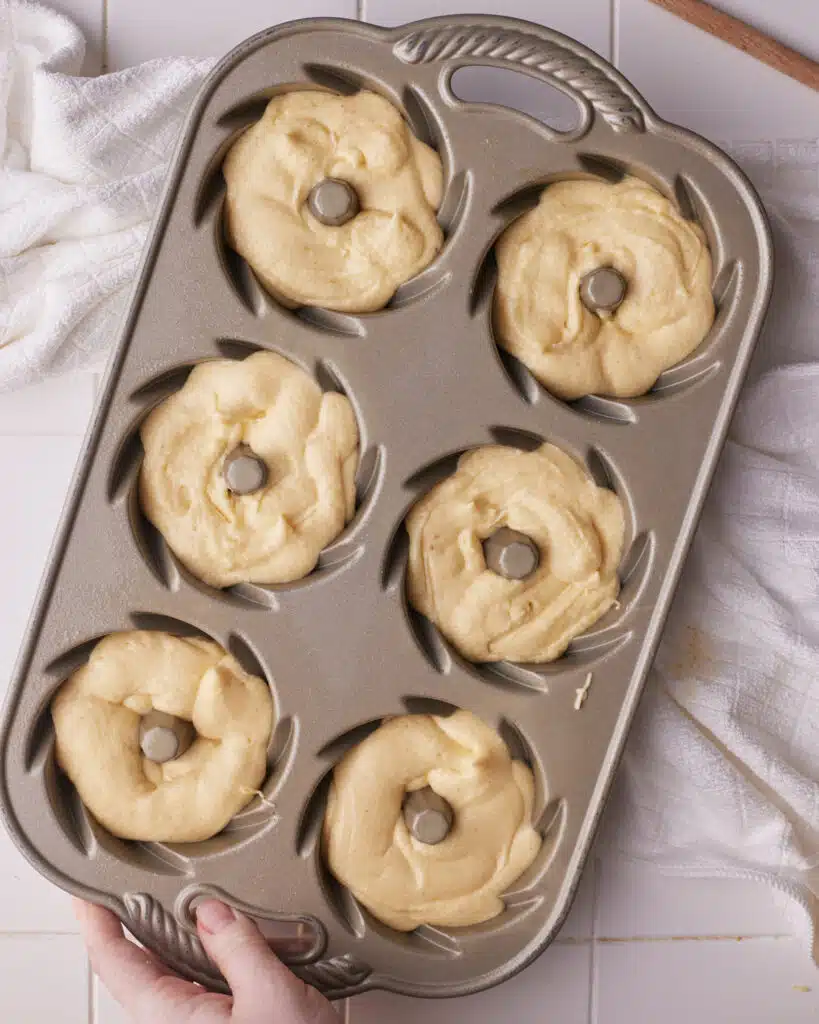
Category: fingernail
[212,916]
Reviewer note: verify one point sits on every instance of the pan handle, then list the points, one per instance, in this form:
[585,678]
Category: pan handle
[540,52]
[180,948]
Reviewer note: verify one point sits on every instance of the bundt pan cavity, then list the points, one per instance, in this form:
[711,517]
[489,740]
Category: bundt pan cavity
[427,382]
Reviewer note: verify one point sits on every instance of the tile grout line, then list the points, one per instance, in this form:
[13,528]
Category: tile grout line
[104,54]
[614,33]
[41,436]
[645,939]
[17,933]
[92,993]
[51,933]
[596,883]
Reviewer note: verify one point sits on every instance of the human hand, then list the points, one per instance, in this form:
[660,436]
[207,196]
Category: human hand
[264,990]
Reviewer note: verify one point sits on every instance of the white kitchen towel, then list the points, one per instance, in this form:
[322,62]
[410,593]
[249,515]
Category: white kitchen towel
[83,162]
[721,771]
[721,775]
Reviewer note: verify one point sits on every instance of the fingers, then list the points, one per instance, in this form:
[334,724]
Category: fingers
[133,976]
[125,969]
[260,982]
[241,952]
[258,979]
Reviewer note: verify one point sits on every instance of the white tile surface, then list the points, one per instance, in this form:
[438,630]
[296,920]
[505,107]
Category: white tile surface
[28,903]
[62,405]
[38,470]
[637,900]
[752,982]
[43,980]
[555,988]
[207,28]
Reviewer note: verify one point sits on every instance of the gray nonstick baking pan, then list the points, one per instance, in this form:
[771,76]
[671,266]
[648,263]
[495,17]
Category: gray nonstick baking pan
[341,649]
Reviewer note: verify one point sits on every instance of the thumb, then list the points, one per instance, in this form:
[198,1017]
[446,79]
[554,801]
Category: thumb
[260,982]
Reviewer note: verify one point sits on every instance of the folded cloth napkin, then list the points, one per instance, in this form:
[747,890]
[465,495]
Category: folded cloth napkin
[83,162]
[721,774]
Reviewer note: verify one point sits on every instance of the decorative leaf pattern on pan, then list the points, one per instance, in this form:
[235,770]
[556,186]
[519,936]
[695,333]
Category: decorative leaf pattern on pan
[340,973]
[550,58]
[150,919]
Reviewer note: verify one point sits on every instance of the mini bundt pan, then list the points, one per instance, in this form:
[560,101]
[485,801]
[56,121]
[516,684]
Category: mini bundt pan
[341,648]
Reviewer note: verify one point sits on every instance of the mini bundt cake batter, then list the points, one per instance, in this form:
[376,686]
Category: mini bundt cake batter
[303,139]
[97,714]
[577,228]
[460,880]
[578,530]
[307,440]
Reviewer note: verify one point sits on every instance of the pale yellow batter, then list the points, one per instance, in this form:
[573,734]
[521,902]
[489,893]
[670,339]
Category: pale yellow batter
[578,227]
[303,138]
[577,527]
[97,714]
[461,880]
[308,440]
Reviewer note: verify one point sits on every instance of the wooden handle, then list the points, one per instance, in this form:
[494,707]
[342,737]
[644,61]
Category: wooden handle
[744,37]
